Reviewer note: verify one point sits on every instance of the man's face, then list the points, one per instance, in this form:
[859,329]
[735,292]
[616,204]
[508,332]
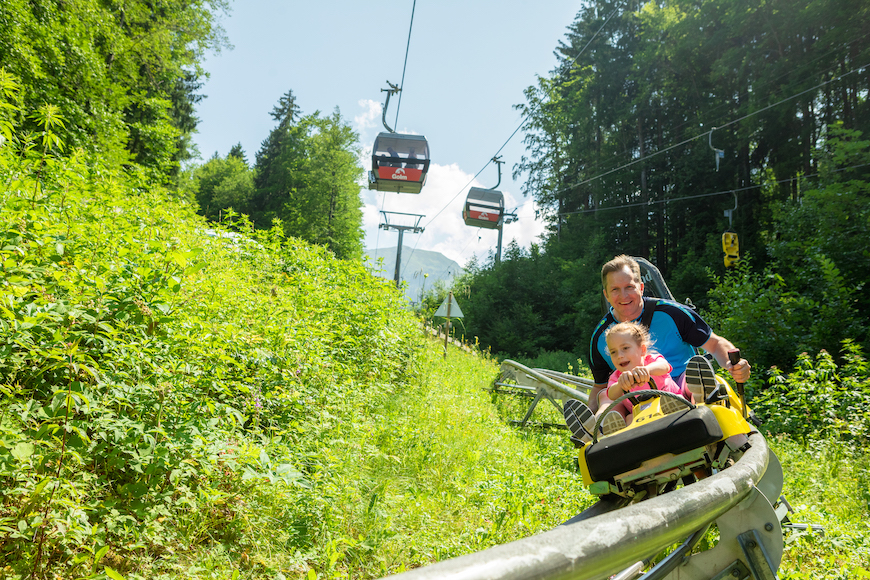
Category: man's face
[624,295]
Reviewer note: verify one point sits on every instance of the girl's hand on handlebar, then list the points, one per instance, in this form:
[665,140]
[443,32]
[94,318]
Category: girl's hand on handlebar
[641,375]
[625,381]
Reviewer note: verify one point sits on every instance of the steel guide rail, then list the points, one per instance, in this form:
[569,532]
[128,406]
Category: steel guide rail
[551,383]
[540,384]
[750,544]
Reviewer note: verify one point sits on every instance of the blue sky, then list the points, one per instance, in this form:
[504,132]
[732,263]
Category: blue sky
[468,64]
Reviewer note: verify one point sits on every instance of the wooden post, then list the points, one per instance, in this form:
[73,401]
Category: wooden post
[447,329]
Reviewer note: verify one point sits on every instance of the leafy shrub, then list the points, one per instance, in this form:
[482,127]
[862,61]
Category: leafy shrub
[818,399]
[155,378]
[763,315]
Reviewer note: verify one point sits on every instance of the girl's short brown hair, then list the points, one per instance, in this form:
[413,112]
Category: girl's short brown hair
[638,332]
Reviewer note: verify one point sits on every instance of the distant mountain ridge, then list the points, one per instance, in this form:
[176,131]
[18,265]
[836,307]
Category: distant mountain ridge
[415,265]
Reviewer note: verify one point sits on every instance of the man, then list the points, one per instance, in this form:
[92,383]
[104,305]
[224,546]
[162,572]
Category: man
[675,329]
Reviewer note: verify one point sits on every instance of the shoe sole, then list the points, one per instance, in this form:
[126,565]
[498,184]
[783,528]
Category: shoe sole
[579,419]
[612,423]
[700,378]
[670,405]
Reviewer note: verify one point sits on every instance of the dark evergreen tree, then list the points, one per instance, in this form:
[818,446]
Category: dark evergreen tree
[239,153]
[620,148]
[306,177]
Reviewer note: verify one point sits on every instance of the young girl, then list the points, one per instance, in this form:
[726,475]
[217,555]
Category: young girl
[629,346]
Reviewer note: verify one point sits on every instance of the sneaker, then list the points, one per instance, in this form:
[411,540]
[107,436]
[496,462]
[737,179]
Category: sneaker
[700,378]
[670,405]
[579,419]
[612,422]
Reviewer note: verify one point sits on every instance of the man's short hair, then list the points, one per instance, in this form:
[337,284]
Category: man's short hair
[617,264]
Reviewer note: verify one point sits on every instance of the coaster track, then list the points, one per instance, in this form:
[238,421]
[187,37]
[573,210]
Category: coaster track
[612,539]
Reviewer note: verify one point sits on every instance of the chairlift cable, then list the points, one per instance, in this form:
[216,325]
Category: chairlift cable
[405,67]
[512,135]
[628,151]
[714,109]
[414,249]
[699,195]
[520,126]
[704,134]
[570,65]
[447,269]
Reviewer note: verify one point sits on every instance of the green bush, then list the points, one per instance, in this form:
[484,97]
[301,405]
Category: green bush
[819,399]
[763,315]
[164,383]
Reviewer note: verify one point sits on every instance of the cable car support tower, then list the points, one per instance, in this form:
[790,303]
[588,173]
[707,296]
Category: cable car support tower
[414,228]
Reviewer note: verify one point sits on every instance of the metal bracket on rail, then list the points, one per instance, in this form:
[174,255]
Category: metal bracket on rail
[750,546]
[750,540]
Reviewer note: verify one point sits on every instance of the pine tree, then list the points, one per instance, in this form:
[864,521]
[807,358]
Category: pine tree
[307,177]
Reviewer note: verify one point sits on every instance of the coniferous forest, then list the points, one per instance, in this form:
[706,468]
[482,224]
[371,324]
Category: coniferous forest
[656,121]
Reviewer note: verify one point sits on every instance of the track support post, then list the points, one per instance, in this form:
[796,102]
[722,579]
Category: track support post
[759,563]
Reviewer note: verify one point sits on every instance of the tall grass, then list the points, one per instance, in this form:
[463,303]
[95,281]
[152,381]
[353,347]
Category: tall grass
[430,472]
[827,482]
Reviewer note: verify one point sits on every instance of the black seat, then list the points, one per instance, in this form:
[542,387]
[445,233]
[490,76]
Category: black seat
[675,433]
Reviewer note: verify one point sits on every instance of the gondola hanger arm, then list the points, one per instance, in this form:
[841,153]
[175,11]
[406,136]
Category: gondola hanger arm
[390,92]
[730,212]
[719,153]
[497,160]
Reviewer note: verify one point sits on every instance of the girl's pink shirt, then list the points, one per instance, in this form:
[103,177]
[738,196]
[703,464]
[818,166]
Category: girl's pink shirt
[663,382]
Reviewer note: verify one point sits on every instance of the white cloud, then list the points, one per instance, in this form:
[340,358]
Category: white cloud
[441,203]
[369,118]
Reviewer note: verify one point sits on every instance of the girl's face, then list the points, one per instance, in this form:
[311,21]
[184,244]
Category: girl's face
[625,352]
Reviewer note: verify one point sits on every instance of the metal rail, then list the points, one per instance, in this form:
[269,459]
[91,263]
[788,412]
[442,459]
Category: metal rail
[546,381]
[750,544]
[540,384]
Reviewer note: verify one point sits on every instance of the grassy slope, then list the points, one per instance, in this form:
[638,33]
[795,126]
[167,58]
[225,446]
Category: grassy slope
[166,395]
[451,477]
[437,473]
[175,405]
[826,482]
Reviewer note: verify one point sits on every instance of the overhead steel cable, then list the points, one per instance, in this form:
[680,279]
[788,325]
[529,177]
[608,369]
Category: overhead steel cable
[523,122]
[705,133]
[399,104]
[405,67]
[600,163]
[520,126]
[447,269]
[722,192]
[414,249]
[628,151]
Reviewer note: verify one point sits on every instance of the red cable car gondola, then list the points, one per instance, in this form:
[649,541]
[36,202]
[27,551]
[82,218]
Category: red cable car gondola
[399,163]
[484,208]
